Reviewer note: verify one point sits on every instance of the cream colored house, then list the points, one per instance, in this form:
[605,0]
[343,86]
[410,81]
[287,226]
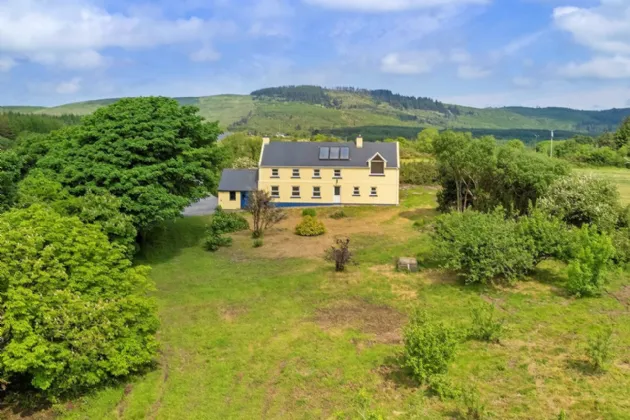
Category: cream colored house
[301,174]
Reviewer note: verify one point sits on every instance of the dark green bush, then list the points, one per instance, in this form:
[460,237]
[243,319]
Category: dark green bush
[482,246]
[419,173]
[339,214]
[548,236]
[485,326]
[258,243]
[215,241]
[224,222]
[309,212]
[429,347]
[310,226]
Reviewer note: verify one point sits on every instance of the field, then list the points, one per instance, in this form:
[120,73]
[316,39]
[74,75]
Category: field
[618,176]
[273,332]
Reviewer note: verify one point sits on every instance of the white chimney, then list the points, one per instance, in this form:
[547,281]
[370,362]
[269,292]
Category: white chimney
[266,140]
[359,142]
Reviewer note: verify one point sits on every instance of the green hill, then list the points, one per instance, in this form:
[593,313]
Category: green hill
[304,110]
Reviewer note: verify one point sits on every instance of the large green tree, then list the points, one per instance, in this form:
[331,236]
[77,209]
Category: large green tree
[75,312]
[154,155]
[10,168]
[622,136]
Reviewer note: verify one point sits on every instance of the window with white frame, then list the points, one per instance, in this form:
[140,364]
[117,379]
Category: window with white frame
[295,192]
[373,192]
[316,173]
[275,191]
[296,173]
[317,192]
[337,173]
[356,192]
[377,166]
[275,173]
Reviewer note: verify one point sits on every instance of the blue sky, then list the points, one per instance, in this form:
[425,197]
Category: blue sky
[572,53]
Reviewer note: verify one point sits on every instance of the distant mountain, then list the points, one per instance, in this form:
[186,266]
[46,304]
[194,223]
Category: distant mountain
[304,110]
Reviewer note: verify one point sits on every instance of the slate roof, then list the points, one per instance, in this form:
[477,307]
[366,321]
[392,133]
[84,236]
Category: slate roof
[296,154]
[239,180]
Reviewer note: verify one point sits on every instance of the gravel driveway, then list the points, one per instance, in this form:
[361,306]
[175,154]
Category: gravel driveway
[202,207]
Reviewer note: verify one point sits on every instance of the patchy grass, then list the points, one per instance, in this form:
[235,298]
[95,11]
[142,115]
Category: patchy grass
[274,332]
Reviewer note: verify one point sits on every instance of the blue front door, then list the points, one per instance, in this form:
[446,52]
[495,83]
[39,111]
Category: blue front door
[244,199]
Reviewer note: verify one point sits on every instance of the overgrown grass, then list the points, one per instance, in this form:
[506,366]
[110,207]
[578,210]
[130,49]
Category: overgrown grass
[245,335]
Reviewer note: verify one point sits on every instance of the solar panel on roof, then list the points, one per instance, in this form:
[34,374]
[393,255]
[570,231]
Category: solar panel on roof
[345,153]
[324,153]
[334,153]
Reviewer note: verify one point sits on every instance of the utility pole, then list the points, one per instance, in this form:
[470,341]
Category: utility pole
[551,149]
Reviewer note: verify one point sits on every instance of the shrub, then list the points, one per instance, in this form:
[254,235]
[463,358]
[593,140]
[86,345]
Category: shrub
[419,173]
[215,241]
[75,311]
[549,237]
[264,212]
[339,214]
[429,347]
[482,246]
[310,226]
[441,386]
[258,243]
[591,253]
[340,254]
[475,409]
[363,403]
[484,325]
[621,243]
[599,349]
[309,212]
[583,199]
[223,222]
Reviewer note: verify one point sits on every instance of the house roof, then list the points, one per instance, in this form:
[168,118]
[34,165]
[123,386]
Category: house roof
[239,180]
[296,154]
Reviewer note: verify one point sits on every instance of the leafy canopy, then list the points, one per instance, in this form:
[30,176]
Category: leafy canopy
[75,311]
[154,155]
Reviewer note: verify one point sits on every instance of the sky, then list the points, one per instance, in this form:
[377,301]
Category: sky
[483,53]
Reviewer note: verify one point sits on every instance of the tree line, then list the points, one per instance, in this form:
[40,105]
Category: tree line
[76,205]
[14,123]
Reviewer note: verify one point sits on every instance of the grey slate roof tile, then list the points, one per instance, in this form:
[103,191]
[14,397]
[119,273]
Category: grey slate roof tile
[239,180]
[296,154]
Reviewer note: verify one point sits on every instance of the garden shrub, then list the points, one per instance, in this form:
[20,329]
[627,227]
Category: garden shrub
[215,241]
[339,214]
[310,226]
[224,222]
[591,254]
[482,246]
[441,386]
[599,349]
[258,243]
[584,199]
[621,243]
[429,347]
[75,310]
[309,212]
[548,236]
[485,326]
[474,408]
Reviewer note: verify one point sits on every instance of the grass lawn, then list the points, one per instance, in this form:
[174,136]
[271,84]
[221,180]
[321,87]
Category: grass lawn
[619,176]
[273,332]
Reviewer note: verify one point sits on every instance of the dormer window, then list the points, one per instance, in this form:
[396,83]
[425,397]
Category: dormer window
[377,165]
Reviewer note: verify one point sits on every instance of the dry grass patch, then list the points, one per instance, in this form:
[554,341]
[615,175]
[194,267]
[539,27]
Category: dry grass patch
[231,313]
[384,322]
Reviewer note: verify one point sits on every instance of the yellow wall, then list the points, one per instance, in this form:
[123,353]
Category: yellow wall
[226,204]
[387,185]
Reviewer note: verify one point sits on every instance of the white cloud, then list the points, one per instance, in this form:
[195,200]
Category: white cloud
[468,72]
[605,28]
[6,64]
[206,53]
[390,5]
[72,32]
[69,87]
[460,56]
[617,67]
[413,62]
